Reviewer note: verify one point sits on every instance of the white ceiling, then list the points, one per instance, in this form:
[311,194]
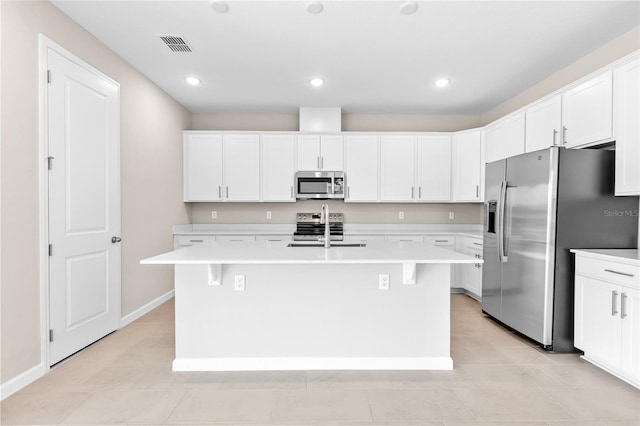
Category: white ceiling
[260,55]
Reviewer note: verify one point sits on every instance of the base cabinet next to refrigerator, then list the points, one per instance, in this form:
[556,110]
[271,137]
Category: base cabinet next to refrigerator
[607,315]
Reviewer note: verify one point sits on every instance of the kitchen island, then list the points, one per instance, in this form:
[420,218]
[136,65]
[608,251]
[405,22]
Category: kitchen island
[267,306]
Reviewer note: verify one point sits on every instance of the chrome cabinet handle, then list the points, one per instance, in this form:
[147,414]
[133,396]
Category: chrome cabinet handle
[115,239]
[477,191]
[477,244]
[614,296]
[348,192]
[623,306]
[618,273]
[227,192]
[412,192]
[442,241]
[196,241]
[219,191]
[419,193]
[292,192]
[321,162]
[564,135]
[318,162]
[555,133]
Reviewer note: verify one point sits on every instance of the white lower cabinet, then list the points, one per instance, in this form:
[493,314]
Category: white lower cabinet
[468,277]
[607,316]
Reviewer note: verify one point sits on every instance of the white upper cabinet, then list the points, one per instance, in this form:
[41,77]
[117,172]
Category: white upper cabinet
[514,134]
[543,124]
[467,166]
[278,167]
[627,130]
[241,167]
[494,142]
[505,138]
[316,152]
[202,162]
[397,159]
[587,112]
[433,154]
[361,168]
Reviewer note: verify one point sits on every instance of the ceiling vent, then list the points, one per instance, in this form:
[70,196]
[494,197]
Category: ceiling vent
[176,43]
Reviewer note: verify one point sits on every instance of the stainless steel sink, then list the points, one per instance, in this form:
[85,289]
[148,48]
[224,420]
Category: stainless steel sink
[322,244]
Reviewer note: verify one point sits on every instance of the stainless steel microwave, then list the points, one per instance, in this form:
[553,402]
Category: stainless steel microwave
[319,185]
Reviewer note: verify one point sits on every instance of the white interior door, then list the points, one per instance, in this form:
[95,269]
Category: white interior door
[84,205]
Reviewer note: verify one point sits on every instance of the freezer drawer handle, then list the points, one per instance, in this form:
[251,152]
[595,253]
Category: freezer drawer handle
[623,306]
[614,296]
[618,273]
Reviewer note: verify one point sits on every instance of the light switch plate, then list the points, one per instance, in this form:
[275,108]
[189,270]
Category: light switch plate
[451,215]
[214,214]
[383,281]
[400,215]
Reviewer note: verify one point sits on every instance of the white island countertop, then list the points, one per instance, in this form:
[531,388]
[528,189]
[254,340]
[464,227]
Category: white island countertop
[264,252]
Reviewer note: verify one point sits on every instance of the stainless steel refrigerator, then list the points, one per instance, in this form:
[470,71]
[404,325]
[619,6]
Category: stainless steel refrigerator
[539,205]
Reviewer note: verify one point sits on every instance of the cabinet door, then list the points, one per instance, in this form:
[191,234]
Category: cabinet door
[308,152]
[467,166]
[361,168]
[587,112]
[332,153]
[494,142]
[630,320]
[242,168]
[627,130]
[543,123]
[514,135]
[434,168]
[596,322]
[278,167]
[202,168]
[397,168]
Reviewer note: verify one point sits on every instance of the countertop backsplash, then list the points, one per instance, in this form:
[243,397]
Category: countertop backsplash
[414,213]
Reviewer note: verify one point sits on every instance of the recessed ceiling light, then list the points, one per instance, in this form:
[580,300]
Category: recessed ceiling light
[219,6]
[408,8]
[442,82]
[192,81]
[314,7]
[316,82]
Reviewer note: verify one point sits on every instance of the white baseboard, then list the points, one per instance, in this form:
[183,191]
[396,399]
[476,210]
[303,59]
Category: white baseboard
[128,319]
[14,385]
[312,363]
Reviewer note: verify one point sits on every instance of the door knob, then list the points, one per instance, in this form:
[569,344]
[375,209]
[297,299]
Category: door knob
[115,239]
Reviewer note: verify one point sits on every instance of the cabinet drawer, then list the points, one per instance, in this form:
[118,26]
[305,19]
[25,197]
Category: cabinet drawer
[236,238]
[473,243]
[364,238]
[441,240]
[186,241]
[406,238]
[274,238]
[619,273]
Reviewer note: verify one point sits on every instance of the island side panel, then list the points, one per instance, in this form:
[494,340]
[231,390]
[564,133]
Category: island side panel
[312,316]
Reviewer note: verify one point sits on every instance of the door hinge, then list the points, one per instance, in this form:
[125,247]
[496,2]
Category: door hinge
[48,76]
[51,335]
[50,162]
[50,249]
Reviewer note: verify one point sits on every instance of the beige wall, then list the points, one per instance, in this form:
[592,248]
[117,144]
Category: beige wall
[354,212]
[151,170]
[610,52]
[350,122]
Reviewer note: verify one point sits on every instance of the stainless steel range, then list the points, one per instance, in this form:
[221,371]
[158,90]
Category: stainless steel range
[310,228]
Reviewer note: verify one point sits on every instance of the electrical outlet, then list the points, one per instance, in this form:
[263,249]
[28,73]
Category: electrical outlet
[268,215]
[214,214]
[383,281]
[238,283]
[400,215]
[451,215]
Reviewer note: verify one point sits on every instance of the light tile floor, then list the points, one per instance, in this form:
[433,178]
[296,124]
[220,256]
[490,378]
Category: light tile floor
[499,379]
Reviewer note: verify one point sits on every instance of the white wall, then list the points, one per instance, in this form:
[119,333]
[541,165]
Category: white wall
[151,174]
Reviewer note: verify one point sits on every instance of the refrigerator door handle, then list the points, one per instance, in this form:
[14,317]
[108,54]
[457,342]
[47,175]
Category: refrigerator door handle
[502,255]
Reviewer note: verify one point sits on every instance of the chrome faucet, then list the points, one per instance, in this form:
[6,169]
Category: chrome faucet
[324,219]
